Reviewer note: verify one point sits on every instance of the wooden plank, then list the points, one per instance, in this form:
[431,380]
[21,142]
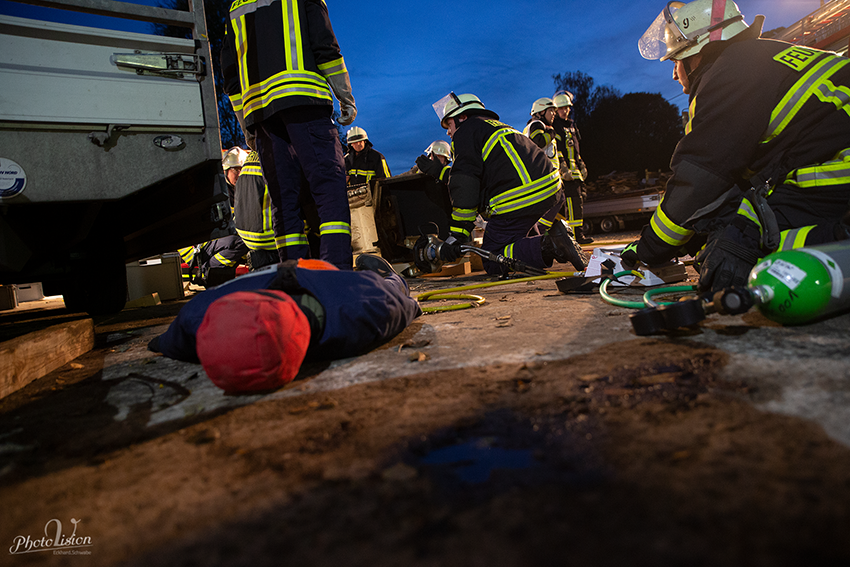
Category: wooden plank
[36,354]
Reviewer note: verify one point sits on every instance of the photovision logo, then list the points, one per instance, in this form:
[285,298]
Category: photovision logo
[54,540]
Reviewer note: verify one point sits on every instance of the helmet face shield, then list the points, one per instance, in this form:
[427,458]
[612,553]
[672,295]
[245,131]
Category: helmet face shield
[663,38]
[445,105]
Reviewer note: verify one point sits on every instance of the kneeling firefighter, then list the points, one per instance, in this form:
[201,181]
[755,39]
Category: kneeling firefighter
[501,174]
[765,161]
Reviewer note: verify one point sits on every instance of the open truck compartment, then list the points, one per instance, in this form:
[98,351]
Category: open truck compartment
[109,149]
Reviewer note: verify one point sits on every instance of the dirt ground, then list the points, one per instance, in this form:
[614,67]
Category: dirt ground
[617,450]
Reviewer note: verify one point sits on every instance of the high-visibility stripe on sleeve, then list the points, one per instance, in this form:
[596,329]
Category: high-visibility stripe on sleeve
[338,227]
[667,230]
[297,239]
[794,238]
[335,67]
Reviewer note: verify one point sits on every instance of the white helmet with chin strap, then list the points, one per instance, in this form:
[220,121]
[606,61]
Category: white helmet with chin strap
[356,134]
[561,100]
[541,104]
[683,29]
[234,157]
[440,148]
[453,105]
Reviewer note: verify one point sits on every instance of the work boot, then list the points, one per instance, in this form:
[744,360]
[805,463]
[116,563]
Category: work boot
[375,264]
[581,238]
[559,245]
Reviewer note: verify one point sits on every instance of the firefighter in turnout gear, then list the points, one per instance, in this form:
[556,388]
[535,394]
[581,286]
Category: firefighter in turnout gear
[573,170]
[539,129]
[253,214]
[503,175]
[282,67]
[765,161]
[363,163]
[436,161]
[221,255]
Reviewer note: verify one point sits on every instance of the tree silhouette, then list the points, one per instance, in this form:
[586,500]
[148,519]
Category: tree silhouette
[634,132]
[586,96]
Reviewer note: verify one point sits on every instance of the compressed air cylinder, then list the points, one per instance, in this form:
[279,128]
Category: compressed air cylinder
[797,286]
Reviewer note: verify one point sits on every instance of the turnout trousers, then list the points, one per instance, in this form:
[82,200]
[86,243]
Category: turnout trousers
[518,236]
[304,139]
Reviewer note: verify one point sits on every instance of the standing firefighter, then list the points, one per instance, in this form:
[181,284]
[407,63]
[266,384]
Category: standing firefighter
[573,170]
[539,129]
[281,64]
[502,174]
[363,163]
[765,161]
[254,213]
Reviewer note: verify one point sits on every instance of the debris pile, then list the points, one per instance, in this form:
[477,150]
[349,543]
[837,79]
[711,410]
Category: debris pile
[619,182]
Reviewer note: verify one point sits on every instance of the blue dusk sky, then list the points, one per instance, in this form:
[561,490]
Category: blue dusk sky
[403,56]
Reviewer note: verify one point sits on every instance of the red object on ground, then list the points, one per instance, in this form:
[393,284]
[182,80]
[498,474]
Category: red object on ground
[241,270]
[253,340]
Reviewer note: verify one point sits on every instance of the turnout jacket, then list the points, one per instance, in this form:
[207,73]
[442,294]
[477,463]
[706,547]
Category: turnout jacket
[762,108]
[497,171]
[366,165]
[567,139]
[253,207]
[278,54]
[361,309]
[544,136]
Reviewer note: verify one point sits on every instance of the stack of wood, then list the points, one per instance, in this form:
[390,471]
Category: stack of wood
[619,182]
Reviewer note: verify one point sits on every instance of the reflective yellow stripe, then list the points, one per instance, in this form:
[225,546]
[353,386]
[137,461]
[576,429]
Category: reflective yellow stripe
[458,230]
[464,215]
[187,254]
[525,195]
[794,238]
[292,30]
[570,212]
[692,108]
[291,240]
[236,101]
[224,261]
[544,222]
[494,139]
[285,83]
[813,82]
[336,67]
[258,240]
[833,172]
[667,230]
[334,228]
[509,251]
[747,210]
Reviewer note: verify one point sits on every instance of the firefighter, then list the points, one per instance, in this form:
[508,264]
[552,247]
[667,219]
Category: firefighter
[282,67]
[573,170]
[436,161]
[539,129]
[254,213]
[363,163]
[221,255]
[253,332]
[502,174]
[765,161]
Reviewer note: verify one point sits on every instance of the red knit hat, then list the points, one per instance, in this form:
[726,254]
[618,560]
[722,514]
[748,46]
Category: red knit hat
[253,340]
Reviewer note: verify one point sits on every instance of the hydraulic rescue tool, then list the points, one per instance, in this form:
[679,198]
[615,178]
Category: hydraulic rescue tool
[430,253]
[790,287]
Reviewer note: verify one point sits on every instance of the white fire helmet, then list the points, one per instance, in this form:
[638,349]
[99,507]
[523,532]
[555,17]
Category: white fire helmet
[356,134]
[541,104]
[682,30]
[440,148]
[453,105]
[561,100]
[234,157]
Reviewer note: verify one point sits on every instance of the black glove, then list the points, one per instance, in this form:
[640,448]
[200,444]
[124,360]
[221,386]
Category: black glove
[428,166]
[450,250]
[629,257]
[729,256]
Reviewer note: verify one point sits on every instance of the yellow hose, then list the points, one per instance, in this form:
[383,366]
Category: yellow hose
[476,300]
